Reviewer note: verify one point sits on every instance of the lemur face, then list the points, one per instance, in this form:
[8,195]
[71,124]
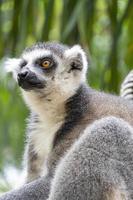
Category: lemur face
[49,67]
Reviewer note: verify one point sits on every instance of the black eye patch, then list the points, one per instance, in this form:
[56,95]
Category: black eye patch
[52,64]
[42,60]
[23,63]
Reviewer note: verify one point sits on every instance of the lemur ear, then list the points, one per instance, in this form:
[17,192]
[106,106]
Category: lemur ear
[77,57]
[12,65]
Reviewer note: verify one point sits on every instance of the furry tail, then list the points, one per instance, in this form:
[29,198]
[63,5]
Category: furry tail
[126,90]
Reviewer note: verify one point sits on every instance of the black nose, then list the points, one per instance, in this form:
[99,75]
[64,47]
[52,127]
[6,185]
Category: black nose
[29,80]
[23,75]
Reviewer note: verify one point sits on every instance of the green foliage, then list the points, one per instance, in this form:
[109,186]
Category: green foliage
[103,28]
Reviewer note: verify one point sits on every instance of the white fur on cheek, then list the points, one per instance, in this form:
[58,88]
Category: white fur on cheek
[12,65]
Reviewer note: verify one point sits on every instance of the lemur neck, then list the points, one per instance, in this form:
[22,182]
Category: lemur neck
[48,108]
[56,107]
[76,108]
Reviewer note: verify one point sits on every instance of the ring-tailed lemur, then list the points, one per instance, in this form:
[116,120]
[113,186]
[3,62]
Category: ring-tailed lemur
[52,78]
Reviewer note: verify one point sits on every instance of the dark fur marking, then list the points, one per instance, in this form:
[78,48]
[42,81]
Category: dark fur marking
[44,96]
[76,63]
[49,99]
[128,93]
[23,63]
[76,106]
[33,156]
[53,64]
[52,78]
[127,82]
[33,119]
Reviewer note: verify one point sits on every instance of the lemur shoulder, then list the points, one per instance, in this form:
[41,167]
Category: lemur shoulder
[52,78]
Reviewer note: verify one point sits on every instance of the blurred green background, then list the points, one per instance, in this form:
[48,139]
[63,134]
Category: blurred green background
[103,27]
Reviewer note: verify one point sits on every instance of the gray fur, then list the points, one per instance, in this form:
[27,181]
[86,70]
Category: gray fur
[96,105]
[55,47]
[99,165]
[36,190]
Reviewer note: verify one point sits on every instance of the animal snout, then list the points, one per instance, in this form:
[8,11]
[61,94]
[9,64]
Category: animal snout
[27,76]
[24,75]
[29,80]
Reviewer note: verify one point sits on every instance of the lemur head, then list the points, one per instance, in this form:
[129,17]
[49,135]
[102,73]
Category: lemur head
[48,68]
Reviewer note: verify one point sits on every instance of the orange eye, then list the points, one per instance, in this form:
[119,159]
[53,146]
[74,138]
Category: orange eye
[46,64]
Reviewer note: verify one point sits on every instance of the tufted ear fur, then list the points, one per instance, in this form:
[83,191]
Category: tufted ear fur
[77,58]
[12,65]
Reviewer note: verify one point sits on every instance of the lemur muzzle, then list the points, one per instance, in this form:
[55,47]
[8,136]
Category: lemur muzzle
[28,80]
